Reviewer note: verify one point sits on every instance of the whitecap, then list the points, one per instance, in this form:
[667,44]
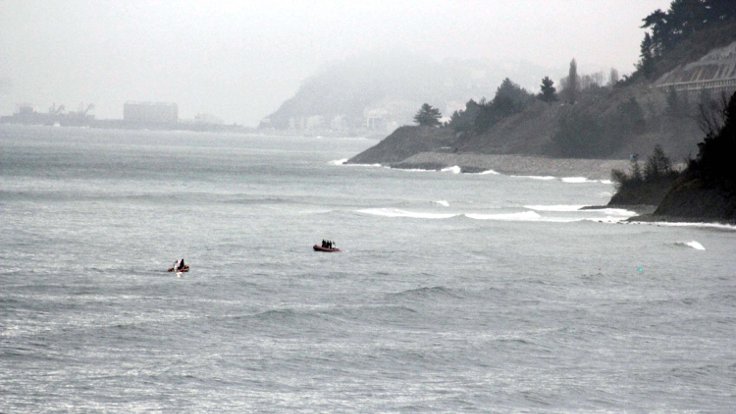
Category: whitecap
[443,203]
[341,161]
[522,216]
[486,172]
[575,180]
[556,207]
[719,226]
[454,169]
[535,177]
[693,243]
[613,211]
[395,212]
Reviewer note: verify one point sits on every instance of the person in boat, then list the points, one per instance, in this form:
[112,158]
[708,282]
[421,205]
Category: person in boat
[324,243]
[179,264]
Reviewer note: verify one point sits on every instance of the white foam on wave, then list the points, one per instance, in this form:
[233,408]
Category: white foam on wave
[487,172]
[575,180]
[535,177]
[718,226]
[583,180]
[556,207]
[454,169]
[613,211]
[410,169]
[341,161]
[693,243]
[395,212]
[443,203]
[522,216]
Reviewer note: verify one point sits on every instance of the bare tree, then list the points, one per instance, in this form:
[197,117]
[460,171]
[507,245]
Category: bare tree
[712,114]
[613,77]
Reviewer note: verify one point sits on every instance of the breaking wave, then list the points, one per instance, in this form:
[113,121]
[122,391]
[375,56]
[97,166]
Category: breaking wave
[395,212]
[487,172]
[717,226]
[556,207]
[583,180]
[341,161]
[694,244]
[619,212]
[523,216]
[454,169]
[535,177]
[611,215]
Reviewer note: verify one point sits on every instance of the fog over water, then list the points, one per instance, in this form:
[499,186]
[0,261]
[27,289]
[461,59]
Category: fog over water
[241,60]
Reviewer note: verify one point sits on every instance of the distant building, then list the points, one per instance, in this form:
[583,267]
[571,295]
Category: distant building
[375,119]
[151,112]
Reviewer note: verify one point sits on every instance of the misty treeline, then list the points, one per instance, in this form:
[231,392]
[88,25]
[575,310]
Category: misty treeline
[688,29]
[579,133]
[510,99]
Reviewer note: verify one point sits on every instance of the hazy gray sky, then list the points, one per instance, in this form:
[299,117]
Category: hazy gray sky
[240,59]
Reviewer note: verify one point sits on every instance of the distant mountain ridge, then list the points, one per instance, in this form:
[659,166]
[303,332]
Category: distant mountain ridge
[382,92]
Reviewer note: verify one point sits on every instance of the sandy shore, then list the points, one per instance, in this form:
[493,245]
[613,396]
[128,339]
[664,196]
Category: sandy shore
[515,164]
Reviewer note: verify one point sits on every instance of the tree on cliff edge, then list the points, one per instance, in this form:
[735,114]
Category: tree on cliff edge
[548,93]
[572,87]
[428,116]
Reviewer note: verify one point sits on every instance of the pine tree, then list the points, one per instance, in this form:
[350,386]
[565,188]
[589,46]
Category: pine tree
[548,93]
[646,61]
[428,116]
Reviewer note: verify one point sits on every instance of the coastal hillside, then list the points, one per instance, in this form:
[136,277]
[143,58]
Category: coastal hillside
[704,191]
[405,142]
[707,188]
[688,60]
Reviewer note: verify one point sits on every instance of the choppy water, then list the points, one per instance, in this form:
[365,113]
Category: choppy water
[454,292]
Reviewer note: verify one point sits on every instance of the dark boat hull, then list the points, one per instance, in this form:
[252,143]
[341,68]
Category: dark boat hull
[325,249]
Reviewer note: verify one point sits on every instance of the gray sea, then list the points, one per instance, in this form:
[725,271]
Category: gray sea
[452,293]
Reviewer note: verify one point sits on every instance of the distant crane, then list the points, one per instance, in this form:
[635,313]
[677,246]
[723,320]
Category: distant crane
[82,111]
[56,110]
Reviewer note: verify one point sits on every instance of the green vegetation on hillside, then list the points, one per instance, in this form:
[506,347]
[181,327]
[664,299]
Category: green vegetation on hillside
[510,99]
[428,115]
[644,186]
[688,30]
[585,116]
